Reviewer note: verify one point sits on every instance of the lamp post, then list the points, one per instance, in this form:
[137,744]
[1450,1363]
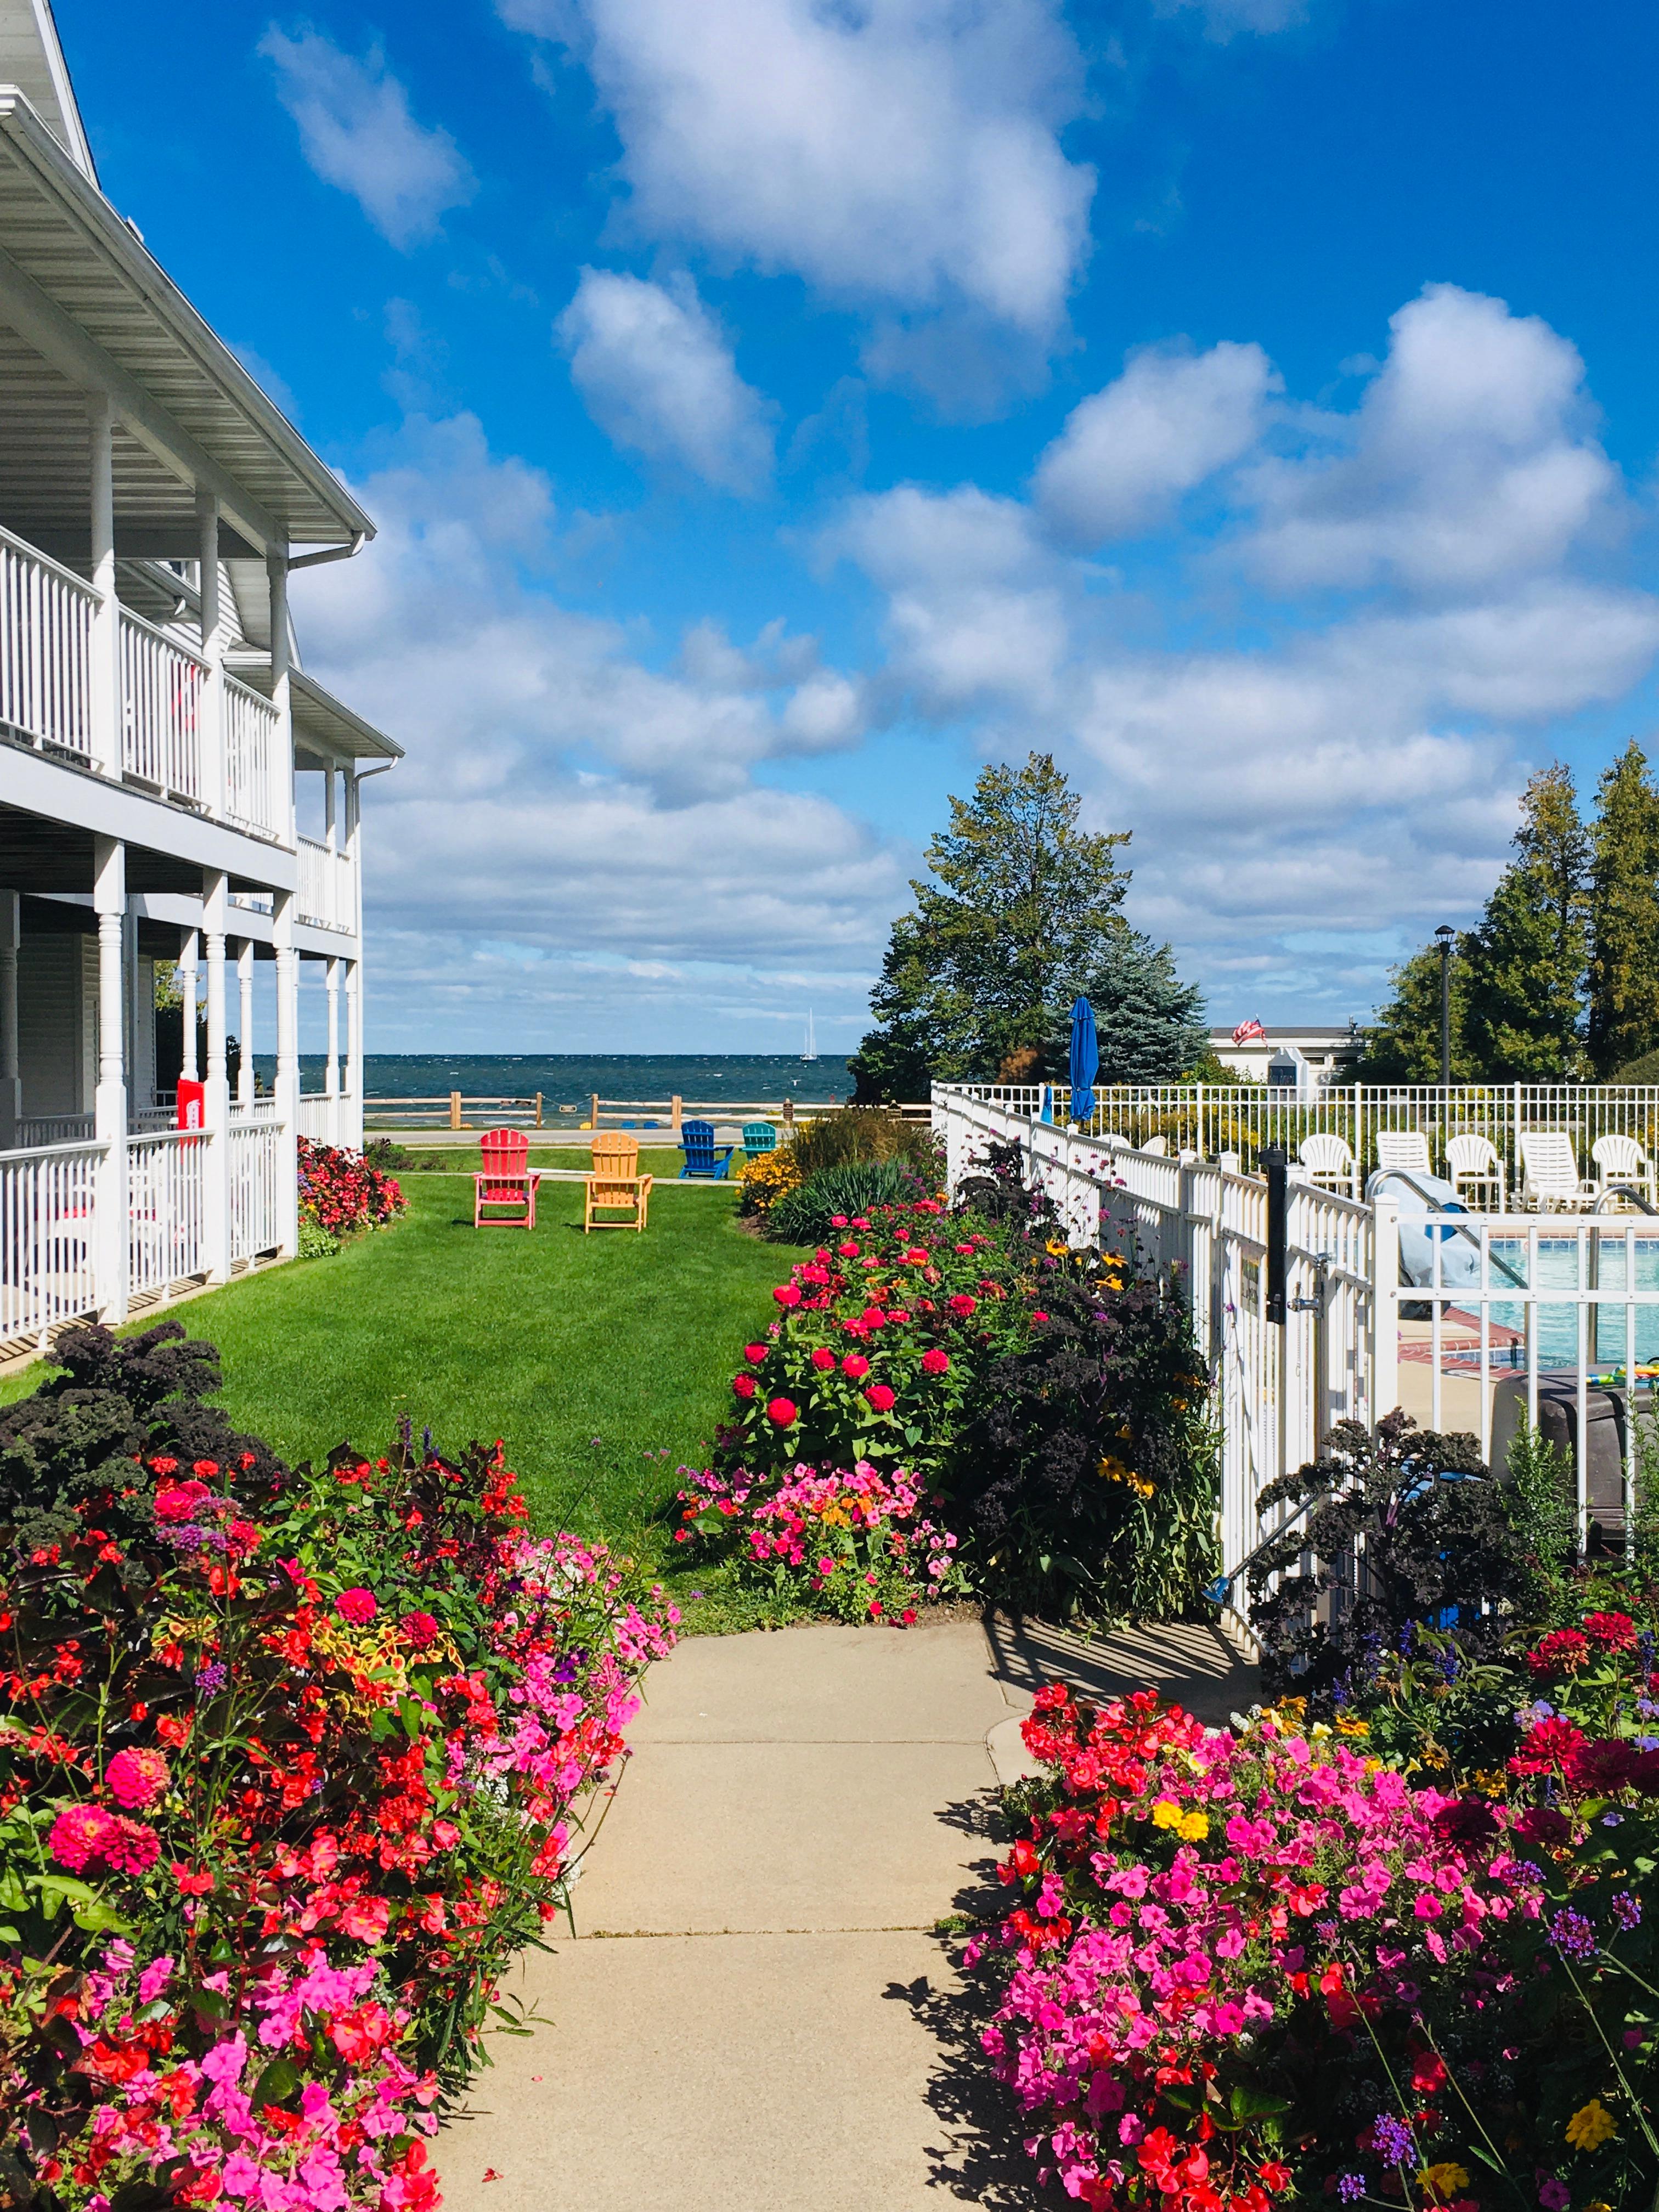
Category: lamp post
[1443,936]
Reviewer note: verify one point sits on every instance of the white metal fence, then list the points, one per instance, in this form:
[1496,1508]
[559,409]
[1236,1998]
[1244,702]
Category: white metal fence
[48,1270]
[162,685]
[166,1244]
[1213,1119]
[45,648]
[256,786]
[1475,1322]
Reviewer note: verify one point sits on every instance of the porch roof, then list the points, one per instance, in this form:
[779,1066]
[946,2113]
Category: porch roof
[88,308]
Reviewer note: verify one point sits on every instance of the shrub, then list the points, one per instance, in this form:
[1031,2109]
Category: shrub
[291,1767]
[863,1133]
[804,1215]
[1089,1476]
[315,1241]
[341,1192]
[767,1177]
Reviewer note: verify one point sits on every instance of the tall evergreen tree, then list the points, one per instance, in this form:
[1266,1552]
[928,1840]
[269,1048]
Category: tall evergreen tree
[1624,962]
[1150,1024]
[1403,1044]
[1528,956]
[1020,915]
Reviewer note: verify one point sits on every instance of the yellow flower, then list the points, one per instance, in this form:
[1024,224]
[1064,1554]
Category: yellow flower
[1320,1730]
[1057,1249]
[1591,2125]
[1113,1470]
[1443,2181]
[1166,1813]
[1347,1725]
[1194,1826]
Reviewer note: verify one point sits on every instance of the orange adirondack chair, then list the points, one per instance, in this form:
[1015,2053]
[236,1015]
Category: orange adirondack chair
[506,1180]
[615,1185]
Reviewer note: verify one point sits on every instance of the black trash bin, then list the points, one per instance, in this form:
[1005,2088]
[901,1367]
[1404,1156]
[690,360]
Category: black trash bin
[1606,1436]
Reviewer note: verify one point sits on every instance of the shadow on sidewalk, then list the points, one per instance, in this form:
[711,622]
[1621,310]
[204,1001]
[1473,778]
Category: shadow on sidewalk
[1190,1662]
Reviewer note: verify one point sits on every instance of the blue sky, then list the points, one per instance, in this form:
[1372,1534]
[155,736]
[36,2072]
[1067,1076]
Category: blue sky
[773,409]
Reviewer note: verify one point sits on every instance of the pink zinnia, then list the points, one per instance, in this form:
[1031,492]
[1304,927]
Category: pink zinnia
[133,1848]
[880,1397]
[78,1834]
[743,1385]
[787,1294]
[136,1778]
[935,1362]
[962,1305]
[854,1365]
[781,1412]
[823,1358]
[421,1629]
[755,1352]
[357,1605]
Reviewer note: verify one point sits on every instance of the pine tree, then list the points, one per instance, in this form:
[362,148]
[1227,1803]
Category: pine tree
[1150,1024]
[1403,1044]
[1021,910]
[1624,965]
[1527,958]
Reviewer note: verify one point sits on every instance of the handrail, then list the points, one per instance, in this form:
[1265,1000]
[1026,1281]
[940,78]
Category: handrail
[1624,1190]
[33,553]
[142,623]
[1437,1205]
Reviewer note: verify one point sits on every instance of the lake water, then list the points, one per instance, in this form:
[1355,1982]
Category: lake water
[571,1078]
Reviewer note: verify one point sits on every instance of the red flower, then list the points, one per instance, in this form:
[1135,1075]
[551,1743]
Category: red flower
[787,1294]
[421,1629]
[962,1305]
[755,1352]
[743,1385]
[1561,1651]
[880,1397]
[909,1616]
[854,1365]
[1617,1631]
[822,1359]
[781,1412]
[935,1362]
[356,1606]
[179,1500]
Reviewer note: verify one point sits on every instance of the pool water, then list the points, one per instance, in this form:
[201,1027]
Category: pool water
[1558,1325]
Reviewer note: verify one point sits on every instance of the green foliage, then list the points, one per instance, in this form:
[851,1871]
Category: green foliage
[1403,1044]
[804,1216]
[1539,1498]
[1624,965]
[1150,1024]
[1020,912]
[859,1132]
[316,1243]
[1528,956]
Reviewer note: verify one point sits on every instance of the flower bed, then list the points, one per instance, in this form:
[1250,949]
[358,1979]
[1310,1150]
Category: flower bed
[292,1764]
[1042,1408]
[1258,1964]
[340,1191]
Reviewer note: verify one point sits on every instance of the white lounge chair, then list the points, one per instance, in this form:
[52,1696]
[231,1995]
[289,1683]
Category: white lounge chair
[1404,1151]
[1329,1163]
[1471,1161]
[1622,1165]
[1158,1146]
[1549,1173]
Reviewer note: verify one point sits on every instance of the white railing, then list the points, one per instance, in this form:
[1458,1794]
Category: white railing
[328,887]
[48,1269]
[45,648]
[162,684]
[314,1117]
[255,1214]
[256,786]
[1214,1119]
[165,1238]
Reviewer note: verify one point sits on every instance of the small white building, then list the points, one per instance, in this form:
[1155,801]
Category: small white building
[1306,1061]
[155,721]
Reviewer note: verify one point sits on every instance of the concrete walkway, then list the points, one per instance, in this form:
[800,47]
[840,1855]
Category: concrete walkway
[756,2013]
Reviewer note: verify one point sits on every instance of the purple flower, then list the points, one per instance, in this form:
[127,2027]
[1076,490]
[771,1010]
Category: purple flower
[1392,2138]
[1572,1935]
[1627,1909]
[1351,2188]
[212,1678]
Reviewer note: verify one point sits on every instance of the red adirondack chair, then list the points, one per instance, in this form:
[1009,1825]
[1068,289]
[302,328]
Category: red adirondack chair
[506,1179]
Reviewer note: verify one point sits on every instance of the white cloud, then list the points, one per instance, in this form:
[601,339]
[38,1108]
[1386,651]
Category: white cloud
[657,374]
[602,816]
[1225,19]
[357,132]
[1469,463]
[904,151]
[1169,421]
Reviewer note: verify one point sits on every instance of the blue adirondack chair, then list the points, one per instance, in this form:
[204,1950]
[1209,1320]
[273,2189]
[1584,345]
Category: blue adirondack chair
[697,1143]
[759,1137]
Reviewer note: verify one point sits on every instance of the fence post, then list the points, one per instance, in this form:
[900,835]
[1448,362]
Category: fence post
[1385,1308]
[1514,1145]
[1359,1127]
[593,1110]
[455,1109]
[789,1115]
[539,1109]
[675,1106]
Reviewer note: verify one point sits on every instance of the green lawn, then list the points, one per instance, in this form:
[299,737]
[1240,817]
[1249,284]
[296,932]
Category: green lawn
[603,1361]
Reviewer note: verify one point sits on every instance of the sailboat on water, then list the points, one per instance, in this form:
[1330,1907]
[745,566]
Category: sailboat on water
[811,1053]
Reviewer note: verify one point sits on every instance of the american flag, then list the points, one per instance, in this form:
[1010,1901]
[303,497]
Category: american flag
[1247,1032]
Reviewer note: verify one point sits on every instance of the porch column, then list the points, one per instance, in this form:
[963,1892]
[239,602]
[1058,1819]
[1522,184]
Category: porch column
[332,1069]
[214,788]
[105,684]
[11,1085]
[287,1070]
[216,1217]
[355,1052]
[109,900]
[244,993]
[282,691]
[190,952]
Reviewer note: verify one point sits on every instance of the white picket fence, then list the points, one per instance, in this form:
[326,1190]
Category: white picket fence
[48,1270]
[255,1224]
[166,1242]
[1536,1310]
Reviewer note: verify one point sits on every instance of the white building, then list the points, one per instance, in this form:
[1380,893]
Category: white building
[1304,1061]
[154,726]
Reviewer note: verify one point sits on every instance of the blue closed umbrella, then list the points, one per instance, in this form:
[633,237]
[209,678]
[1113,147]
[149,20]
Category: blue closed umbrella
[1085,1061]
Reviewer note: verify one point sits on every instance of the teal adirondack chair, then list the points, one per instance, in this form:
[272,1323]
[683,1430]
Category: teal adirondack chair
[701,1157]
[759,1137]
